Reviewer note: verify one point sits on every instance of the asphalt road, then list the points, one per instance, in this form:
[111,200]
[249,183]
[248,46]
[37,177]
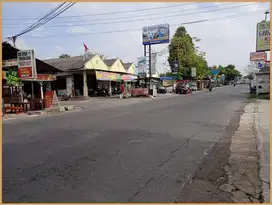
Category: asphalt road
[144,152]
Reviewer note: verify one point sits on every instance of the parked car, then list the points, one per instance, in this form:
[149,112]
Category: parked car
[181,88]
[161,89]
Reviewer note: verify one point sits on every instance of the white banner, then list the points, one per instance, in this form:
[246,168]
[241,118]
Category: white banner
[141,64]
[193,72]
[153,63]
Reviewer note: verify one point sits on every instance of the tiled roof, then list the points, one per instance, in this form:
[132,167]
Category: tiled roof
[71,63]
[110,62]
[127,65]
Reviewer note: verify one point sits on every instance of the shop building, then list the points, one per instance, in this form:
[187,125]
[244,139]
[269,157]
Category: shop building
[80,75]
[19,90]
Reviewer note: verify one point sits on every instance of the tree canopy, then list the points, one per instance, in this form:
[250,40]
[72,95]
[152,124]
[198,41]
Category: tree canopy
[64,56]
[182,48]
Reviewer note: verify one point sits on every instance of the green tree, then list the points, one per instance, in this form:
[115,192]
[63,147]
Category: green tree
[182,48]
[64,56]
[167,74]
[231,72]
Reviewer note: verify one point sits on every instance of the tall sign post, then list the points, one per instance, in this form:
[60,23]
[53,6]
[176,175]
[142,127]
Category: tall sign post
[26,64]
[157,34]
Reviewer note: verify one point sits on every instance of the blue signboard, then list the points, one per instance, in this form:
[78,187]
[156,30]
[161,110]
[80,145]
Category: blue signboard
[168,78]
[157,34]
[223,77]
[260,65]
[215,72]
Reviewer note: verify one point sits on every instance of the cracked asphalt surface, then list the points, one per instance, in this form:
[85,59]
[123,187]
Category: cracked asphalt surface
[150,151]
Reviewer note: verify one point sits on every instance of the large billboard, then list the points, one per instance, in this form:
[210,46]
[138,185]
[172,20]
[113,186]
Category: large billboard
[263,36]
[157,34]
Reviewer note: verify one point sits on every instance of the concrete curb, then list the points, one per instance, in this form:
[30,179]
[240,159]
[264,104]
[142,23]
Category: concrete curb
[260,140]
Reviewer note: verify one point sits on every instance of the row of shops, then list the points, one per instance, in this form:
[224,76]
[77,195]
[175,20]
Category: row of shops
[81,76]
[27,81]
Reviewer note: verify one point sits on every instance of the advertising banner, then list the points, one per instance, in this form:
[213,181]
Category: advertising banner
[258,56]
[263,36]
[49,99]
[135,92]
[106,76]
[26,64]
[174,67]
[9,63]
[141,64]
[193,72]
[46,77]
[153,63]
[157,34]
[12,78]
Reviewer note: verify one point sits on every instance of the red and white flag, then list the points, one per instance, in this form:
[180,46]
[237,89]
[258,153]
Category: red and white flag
[85,48]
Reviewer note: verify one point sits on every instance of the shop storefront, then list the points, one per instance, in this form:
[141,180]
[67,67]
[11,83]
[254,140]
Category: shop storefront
[112,81]
[24,80]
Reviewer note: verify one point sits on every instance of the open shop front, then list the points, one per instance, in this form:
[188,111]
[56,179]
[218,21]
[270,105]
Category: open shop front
[22,87]
[21,96]
[111,82]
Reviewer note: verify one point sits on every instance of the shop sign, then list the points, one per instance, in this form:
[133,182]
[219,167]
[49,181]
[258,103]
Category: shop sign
[9,63]
[139,92]
[12,78]
[26,64]
[46,77]
[106,76]
[263,36]
[49,99]
[258,56]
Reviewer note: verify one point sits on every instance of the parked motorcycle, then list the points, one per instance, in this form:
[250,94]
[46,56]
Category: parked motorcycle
[67,97]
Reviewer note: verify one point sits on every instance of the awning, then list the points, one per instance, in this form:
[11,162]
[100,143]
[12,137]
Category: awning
[129,77]
[107,76]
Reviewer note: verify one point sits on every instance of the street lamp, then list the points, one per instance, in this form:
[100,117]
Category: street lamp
[266,13]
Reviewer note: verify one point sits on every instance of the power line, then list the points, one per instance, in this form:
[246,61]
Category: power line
[35,25]
[48,17]
[116,18]
[107,13]
[139,29]
[154,18]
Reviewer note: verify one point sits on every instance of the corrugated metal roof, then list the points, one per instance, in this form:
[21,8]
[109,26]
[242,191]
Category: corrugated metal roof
[71,63]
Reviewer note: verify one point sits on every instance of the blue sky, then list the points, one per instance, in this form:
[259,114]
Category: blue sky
[225,41]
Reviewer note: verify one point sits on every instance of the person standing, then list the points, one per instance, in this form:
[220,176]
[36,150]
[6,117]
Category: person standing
[122,90]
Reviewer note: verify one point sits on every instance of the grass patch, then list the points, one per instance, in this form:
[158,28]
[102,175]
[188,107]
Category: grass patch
[260,96]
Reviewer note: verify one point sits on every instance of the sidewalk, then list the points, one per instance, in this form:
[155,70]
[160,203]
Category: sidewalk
[248,170]
[262,127]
